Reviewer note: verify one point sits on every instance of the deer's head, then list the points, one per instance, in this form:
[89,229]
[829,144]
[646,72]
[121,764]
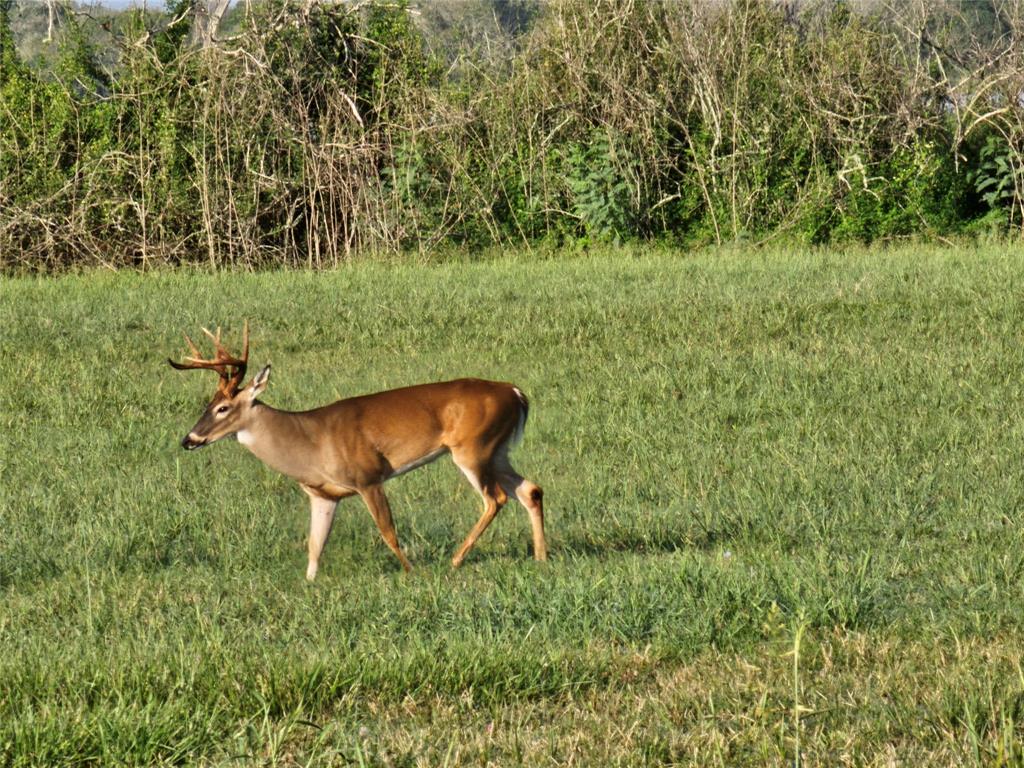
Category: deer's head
[228,411]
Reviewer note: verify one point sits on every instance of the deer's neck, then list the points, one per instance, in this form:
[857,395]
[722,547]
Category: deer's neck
[278,440]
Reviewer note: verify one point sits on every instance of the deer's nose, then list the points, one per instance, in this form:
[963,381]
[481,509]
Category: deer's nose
[189,444]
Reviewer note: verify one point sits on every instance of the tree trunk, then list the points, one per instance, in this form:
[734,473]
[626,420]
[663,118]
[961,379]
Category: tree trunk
[206,20]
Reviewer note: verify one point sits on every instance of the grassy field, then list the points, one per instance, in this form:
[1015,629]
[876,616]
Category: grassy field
[784,498]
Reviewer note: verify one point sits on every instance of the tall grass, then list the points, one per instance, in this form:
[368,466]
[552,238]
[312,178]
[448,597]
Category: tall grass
[737,451]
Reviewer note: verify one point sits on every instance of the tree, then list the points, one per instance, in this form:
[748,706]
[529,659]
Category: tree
[206,18]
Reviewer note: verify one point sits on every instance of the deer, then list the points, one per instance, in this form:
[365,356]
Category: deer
[352,446]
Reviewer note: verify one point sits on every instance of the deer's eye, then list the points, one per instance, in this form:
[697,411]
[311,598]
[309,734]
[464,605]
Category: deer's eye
[223,409]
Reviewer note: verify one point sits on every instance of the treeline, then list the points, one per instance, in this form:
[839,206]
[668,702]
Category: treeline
[317,131]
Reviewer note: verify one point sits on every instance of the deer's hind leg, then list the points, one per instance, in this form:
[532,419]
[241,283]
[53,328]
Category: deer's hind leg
[480,473]
[530,495]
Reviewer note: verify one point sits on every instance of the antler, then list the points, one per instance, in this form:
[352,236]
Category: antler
[230,368]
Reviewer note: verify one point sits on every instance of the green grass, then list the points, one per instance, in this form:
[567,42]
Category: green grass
[731,447]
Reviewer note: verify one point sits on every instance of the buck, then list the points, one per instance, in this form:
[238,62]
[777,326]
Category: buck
[353,445]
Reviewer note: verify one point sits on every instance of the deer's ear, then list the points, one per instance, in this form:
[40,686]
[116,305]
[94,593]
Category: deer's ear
[259,382]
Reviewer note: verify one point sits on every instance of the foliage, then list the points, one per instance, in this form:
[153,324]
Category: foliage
[995,177]
[601,192]
[316,131]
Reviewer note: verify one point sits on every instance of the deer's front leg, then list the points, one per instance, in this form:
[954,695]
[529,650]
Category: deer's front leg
[377,503]
[321,517]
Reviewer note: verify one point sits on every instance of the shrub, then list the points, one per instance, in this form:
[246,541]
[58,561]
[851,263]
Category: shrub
[321,130]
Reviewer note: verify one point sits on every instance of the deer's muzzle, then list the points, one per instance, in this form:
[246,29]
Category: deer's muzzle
[190,443]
